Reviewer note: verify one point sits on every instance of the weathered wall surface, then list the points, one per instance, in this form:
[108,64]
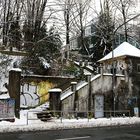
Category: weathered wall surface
[34,93]
[68,103]
[102,84]
[76,101]
[34,89]
[126,86]
[134,80]
[82,98]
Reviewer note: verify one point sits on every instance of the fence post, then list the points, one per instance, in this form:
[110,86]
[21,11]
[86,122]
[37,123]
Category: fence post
[27,118]
[129,113]
[110,114]
[88,115]
[61,116]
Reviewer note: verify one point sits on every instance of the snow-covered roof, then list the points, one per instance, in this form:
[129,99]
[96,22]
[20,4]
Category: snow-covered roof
[125,49]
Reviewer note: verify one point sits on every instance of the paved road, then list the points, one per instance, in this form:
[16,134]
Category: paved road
[119,133]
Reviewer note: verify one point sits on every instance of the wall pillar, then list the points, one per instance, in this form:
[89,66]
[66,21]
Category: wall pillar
[14,88]
[54,98]
[74,96]
[88,77]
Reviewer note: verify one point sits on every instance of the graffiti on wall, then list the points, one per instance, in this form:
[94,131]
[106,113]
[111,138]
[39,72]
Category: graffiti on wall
[7,107]
[35,93]
[99,106]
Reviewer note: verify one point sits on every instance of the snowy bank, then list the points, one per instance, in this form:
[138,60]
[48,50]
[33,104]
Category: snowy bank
[20,125]
[34,124]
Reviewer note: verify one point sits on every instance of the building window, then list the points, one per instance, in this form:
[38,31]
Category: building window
[73,44]
[138,68]
[88,31]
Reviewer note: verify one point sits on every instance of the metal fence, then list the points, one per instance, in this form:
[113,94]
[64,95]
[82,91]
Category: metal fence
[61,115]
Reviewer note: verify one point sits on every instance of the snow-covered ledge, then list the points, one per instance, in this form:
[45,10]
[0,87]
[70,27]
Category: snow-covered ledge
[15,69]
[55,90]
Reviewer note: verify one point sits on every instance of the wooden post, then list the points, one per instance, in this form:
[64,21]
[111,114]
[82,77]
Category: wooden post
[14,88]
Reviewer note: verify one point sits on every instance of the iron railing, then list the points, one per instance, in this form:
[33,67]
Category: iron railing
[42,115]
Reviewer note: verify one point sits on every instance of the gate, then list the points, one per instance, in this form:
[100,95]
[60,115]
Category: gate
[99,106]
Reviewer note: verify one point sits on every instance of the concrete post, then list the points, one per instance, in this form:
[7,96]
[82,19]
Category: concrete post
[54,98]
[80,63]
[73,86]
[101,69]
[75,96]
[88,77]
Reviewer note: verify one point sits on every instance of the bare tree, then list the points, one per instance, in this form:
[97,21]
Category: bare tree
[10,14]
[67,19]
[80,20]
[124,7]
[103,31]
[64,18]
[6,17]
[34,11]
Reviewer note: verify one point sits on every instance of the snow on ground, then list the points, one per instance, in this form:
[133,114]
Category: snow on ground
[37,125]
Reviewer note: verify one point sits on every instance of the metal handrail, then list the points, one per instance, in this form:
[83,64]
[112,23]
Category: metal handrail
[87,114]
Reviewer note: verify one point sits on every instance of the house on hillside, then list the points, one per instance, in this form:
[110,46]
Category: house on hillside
[125,61]
[90,40]
[117,86]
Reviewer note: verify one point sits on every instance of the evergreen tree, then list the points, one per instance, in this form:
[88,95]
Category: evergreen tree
[46,48]
[49,44]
